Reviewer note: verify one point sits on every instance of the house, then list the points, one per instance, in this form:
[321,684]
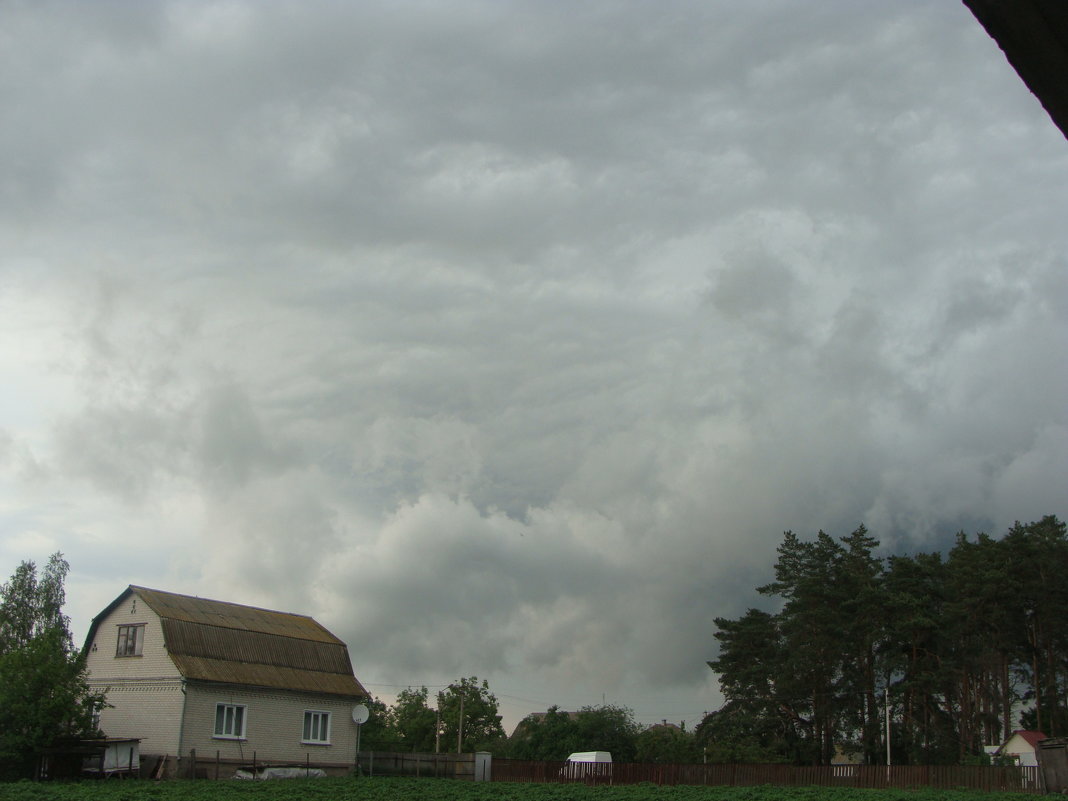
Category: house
[231,684]
[1021,747]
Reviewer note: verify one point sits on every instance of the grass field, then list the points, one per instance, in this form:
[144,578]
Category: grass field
[398,789]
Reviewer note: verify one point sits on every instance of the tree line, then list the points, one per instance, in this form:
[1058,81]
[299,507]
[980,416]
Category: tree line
[464,717]
[957,649]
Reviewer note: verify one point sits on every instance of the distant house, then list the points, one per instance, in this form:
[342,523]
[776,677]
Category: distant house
[1021,747]
[227,681]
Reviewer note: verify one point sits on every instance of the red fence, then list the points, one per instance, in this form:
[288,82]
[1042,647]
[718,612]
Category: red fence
[974,777]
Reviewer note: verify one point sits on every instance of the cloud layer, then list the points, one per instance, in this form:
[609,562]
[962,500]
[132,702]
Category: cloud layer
[508,339]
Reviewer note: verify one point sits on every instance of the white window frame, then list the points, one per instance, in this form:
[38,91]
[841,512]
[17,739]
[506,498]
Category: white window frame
[316,722]
[225,717]
[127,646]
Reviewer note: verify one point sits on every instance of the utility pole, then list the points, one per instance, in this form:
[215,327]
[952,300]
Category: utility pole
[460,727]
[886,697]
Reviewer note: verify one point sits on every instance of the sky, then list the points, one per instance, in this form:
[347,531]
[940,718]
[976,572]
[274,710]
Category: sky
[507,338]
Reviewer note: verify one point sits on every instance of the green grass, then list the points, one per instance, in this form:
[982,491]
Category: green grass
[399,789]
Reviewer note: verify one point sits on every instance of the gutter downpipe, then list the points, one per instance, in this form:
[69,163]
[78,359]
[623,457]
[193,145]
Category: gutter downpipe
[181,727]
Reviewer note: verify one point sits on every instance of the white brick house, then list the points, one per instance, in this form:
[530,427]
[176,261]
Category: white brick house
[230,682]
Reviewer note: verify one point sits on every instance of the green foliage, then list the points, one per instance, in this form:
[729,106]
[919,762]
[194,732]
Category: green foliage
[44,695]
[666,744]
[400,789]
[740,733]
[413,722]
[556,734]
[552,735]
[412,725]
[471,702]
[377,734]
[959,645]
[608,728]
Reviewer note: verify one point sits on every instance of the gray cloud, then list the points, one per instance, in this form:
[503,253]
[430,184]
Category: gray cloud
[507,340]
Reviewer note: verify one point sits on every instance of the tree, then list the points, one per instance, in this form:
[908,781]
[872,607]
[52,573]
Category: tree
[556,734]
[981,618]
[733,734]
[551,735]
[914,656]
[811,625]
[666,743]
[469,718]
[378,734]
[414,724]
[44,692]
[749,666]
[1037,554]
[955,645]
[608,728]
[860,597]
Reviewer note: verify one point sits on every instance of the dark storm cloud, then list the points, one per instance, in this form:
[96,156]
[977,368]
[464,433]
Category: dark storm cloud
[508,339]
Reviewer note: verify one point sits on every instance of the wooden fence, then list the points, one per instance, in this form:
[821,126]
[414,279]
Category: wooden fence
[390,763]
[975,777]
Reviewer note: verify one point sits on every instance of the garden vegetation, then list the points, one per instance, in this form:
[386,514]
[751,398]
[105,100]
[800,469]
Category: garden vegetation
[399,789]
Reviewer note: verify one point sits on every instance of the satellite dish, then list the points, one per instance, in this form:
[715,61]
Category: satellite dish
[360,714]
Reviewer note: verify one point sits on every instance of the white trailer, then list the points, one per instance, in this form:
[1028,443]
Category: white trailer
[588,766]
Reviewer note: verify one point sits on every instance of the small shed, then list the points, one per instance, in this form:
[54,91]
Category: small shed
[1021,747]
[117,756]
[100,758]
[1053,763]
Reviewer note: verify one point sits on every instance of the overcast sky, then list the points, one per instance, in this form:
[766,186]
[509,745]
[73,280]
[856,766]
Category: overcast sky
[507,338]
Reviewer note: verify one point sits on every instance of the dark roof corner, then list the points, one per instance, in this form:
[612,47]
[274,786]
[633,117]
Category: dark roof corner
[1034,37]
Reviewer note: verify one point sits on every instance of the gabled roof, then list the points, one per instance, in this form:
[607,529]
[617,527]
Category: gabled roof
[225,642]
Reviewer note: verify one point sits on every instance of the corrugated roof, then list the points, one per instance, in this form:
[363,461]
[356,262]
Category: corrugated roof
[233,616]
[219,642]
[271,676]
[225,642]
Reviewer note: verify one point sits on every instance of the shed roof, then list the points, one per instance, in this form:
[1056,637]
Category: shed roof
[219,641]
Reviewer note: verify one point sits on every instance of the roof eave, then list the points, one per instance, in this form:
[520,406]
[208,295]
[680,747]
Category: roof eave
[268,688]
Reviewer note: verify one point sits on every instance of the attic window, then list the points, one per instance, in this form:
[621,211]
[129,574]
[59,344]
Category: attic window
[131,638]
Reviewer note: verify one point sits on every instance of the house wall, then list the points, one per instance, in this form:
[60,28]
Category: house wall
[145,691]
[1021,749]
[274,725]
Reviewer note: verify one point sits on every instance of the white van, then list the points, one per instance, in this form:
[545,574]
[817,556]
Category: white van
[584,765]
